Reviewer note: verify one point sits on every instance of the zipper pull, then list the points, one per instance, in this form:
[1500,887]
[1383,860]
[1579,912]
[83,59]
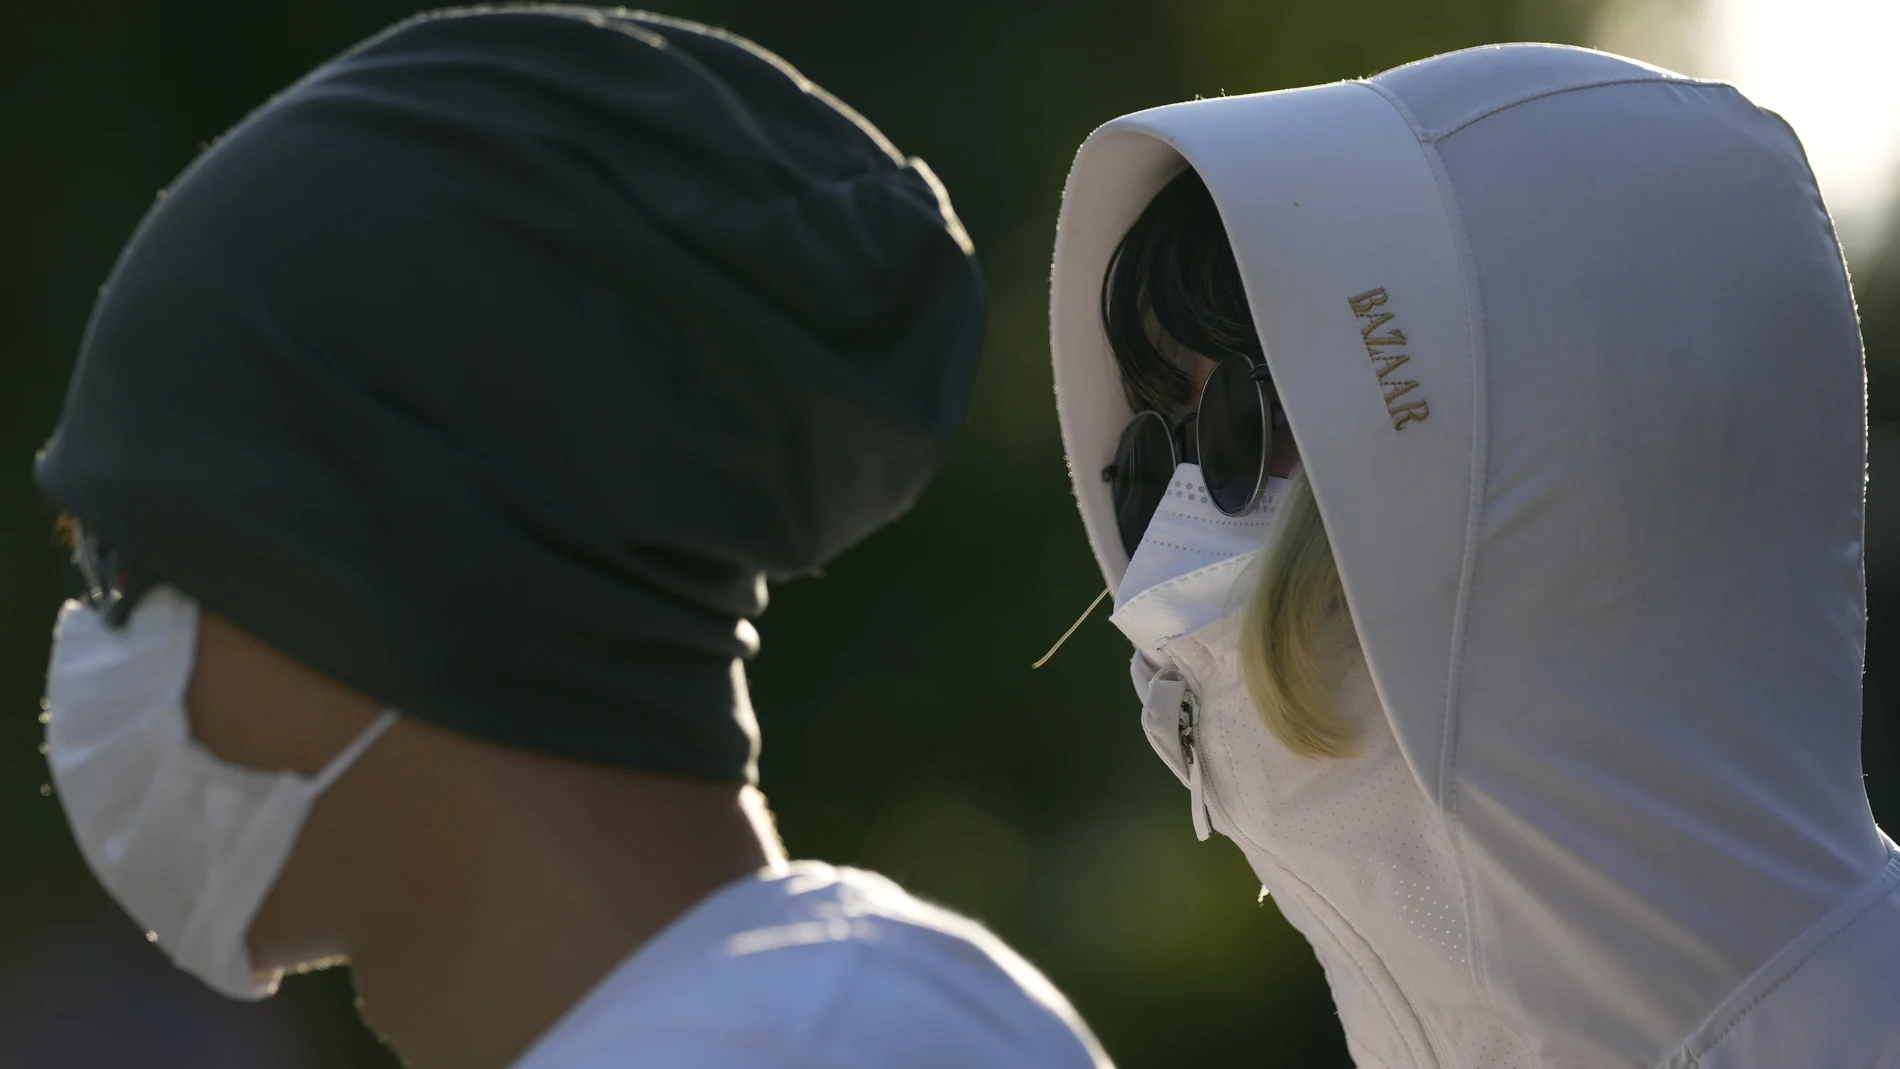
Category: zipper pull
[1197,789]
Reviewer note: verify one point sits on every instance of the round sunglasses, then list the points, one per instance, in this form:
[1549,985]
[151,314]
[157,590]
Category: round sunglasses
[1233,443]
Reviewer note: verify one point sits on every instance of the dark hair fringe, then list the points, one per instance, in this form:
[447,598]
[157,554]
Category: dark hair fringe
[1174,272]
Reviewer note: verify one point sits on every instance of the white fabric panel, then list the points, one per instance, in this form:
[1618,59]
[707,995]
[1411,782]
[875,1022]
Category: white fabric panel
[1662,659]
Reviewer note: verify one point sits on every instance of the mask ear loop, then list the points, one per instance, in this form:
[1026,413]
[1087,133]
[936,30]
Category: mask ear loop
[341,762]
[1044,659]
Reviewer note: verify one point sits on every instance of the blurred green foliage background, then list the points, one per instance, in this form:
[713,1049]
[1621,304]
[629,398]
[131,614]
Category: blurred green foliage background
[904,728]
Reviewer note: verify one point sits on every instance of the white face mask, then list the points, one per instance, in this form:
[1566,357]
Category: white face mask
[1188,533]
[188,844]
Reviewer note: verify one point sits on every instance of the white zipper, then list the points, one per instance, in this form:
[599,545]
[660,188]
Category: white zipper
[1197,780]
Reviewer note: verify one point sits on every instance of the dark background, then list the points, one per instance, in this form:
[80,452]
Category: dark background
[904,729]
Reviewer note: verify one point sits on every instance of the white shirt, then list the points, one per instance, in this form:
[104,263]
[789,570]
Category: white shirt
[818,967]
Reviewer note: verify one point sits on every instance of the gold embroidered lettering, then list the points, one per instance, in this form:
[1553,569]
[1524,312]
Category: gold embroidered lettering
[1386,362]
[1367,301]
[1410,412]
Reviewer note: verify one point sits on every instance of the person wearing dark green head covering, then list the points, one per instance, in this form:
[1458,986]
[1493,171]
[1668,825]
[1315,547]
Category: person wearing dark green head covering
[428,455]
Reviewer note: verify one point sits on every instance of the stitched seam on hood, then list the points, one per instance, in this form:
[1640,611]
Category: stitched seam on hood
[1889,876]
[1461,612]
[1492,109]
[1447,794]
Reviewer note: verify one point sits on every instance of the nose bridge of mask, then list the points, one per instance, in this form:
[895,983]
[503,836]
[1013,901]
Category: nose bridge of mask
[1182,574]
[109,742]
[93,666]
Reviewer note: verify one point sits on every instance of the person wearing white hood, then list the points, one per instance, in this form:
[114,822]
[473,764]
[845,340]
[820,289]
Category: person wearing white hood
[1532,694]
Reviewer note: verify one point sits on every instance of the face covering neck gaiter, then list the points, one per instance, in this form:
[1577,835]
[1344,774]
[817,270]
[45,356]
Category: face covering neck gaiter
[187,843]
[1359,866]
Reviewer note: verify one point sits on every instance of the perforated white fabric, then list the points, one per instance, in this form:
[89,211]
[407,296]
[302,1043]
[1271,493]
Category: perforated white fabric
[1349,839]
[1353,829]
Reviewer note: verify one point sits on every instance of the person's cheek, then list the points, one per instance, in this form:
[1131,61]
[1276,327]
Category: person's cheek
[253,706]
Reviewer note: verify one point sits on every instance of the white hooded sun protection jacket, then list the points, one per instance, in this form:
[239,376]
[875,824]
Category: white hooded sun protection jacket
[1603,558]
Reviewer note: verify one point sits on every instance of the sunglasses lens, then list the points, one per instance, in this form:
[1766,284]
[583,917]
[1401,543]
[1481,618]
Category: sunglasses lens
[1144,465]
[1233,436]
